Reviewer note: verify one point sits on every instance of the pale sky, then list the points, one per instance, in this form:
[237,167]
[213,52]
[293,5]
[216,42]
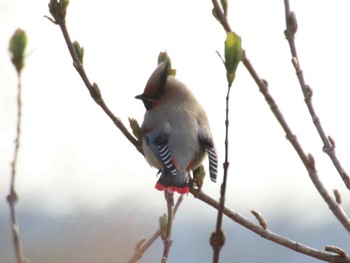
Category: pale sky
[72,155]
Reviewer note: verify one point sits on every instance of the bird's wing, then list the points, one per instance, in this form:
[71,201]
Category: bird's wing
[207,141]
[158,142]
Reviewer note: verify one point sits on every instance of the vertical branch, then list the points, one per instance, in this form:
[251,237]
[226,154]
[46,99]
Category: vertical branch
[233,55]
[58,11]
[169,197]
[217,239]
[269,235]
[143,245]
[12,196]
[328,142]
[17,48]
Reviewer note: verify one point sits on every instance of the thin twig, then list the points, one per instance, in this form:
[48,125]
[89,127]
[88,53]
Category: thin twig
[217,239]
[329,145]
[307,160]
[267,234]
[93,88]
[326,256]
[12,196]
[262,84]
[169,197]
[140,251]
[221,16]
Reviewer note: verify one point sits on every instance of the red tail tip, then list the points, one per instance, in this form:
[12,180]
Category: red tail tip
[180,190]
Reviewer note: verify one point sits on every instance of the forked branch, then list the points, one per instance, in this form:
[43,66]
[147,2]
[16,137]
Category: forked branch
[328,142]
[306,159]
[144,244]
[59,19]
[269,235]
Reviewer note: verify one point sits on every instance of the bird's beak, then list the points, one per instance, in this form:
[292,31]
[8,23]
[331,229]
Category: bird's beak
[140,97]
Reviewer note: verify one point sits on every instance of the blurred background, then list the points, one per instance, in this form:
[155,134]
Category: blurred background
[86,195]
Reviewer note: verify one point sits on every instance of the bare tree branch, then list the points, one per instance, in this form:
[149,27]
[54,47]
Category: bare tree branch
[169,197]
[269,235]
[329,145]
[307,160]
[233,54]
[12,197]
[93,88]
[220,16]
[140,250]
[217,239]
[17,48]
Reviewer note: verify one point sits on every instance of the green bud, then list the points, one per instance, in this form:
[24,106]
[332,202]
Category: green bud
[54,8]
[79,50]
[163,57]
[17,46]
[233,55]
[58,9]
[136,129]
[97,92]
[163,226]
[63,7]
[198,176]
[214,13]
[140,244]
[224,6]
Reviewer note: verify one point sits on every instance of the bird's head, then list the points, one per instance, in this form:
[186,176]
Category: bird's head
[155,86]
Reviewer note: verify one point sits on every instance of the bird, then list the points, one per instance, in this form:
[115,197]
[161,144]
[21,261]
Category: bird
[176,132]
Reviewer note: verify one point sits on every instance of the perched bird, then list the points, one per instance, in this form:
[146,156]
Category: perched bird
[176,132]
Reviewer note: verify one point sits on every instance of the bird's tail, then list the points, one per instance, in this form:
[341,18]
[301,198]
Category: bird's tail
[173,182]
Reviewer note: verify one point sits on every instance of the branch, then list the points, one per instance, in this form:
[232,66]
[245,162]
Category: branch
[220,16]
[17,48]
[12,197]
[59,19]
[58,11]
[143,245]
[269,235]
[329,144]
[167,228]
[217,239]
[233,55]
[307,160]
